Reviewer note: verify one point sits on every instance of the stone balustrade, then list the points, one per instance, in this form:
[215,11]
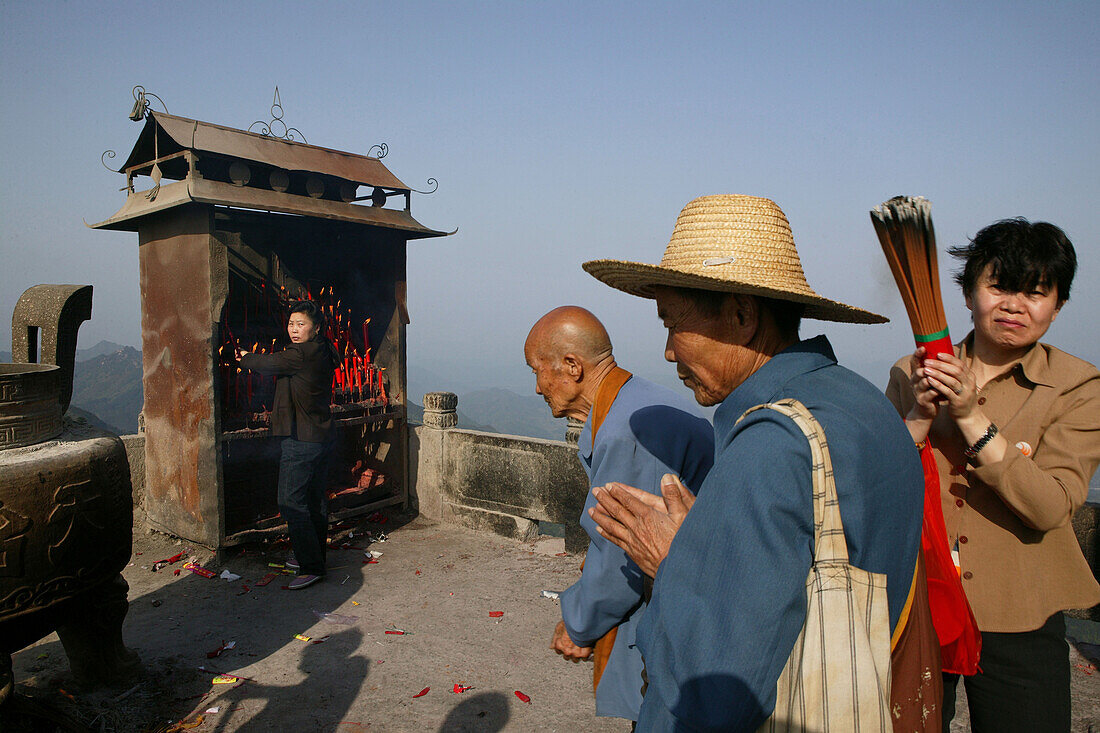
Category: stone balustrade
[501,483]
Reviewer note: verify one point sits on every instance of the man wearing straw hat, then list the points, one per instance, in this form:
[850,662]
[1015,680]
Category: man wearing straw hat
[633,432]
[730,566]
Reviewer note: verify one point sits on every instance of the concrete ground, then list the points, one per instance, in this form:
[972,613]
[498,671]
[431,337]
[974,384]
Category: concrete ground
[442,585]
[439,584]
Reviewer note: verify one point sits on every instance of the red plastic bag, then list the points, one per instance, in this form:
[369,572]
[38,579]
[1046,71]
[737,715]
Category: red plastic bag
[960,639]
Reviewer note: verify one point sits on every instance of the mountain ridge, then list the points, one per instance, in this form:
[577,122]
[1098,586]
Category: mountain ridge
[109,387]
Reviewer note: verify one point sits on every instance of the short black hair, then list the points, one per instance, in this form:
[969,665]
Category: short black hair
[1022,255]
[786,313]
[312,311]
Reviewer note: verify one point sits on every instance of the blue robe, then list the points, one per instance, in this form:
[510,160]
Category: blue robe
[729,600]
[644,436]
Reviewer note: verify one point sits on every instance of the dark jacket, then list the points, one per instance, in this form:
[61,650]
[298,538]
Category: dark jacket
[303,390]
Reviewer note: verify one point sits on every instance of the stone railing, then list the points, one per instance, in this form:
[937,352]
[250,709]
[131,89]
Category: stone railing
[500,483]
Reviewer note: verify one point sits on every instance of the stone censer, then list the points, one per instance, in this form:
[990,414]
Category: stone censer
[66,510]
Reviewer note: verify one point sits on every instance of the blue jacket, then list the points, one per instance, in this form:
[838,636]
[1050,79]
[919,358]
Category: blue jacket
[643,437]
[729,599]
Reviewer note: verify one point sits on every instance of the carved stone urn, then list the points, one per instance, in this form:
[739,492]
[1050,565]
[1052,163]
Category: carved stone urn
[66,510]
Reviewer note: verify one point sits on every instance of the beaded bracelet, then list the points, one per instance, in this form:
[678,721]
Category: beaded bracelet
[972,452]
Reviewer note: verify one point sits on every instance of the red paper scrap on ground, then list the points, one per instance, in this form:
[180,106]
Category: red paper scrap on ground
[418,571]
[267,579]
[199,570]
[168,560]
[372,561]
[176,571]
[395,631]
[496,614]
[523,697]
[423,692]
[462,688]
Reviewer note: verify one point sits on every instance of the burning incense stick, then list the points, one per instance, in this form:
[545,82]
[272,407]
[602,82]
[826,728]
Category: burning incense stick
[904,228]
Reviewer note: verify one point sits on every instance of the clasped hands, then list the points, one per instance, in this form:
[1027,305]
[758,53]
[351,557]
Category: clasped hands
[642,524]
[945,380]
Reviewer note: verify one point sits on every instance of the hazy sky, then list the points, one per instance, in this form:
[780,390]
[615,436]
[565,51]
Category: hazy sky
[567,131]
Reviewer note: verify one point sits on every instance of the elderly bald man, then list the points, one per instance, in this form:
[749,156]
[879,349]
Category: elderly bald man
[729,597]
[634,432]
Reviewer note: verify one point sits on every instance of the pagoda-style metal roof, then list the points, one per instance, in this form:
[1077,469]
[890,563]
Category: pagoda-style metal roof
[219,165]
[290,155]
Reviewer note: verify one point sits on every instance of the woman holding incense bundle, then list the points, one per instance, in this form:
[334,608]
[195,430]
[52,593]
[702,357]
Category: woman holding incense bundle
[301,414]
[1014,426]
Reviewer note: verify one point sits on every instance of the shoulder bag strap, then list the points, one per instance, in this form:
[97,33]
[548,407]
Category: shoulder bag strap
[829,542]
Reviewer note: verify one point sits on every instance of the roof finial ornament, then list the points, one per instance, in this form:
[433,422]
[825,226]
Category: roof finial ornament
[141,103]
[431,182]
[268,129]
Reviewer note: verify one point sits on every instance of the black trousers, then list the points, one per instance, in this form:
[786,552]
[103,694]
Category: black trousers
[1023,684]
[302,502]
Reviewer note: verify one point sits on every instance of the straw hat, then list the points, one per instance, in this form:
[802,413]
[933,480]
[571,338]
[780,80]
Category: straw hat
[732,243]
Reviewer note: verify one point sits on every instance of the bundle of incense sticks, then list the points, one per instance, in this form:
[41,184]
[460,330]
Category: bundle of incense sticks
[904,228]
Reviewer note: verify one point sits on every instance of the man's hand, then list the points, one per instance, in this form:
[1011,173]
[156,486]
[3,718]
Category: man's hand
[639,522]
[563,645]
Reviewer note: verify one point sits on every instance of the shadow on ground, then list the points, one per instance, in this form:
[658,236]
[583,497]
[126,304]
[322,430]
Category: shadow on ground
[484,713]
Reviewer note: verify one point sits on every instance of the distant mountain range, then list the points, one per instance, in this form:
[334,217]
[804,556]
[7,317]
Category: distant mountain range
[107,393]
[502,411]
[489,408]
[108,385]
[100,349]
[512,414]
[75,413]
[416,414]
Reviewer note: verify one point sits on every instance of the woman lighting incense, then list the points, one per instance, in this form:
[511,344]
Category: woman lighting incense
[302,416]
[1014,425]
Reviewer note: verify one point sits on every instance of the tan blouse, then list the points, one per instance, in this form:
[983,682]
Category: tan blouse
[1019,557]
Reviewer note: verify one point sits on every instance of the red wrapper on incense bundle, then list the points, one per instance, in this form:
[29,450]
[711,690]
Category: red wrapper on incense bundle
[904,228]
